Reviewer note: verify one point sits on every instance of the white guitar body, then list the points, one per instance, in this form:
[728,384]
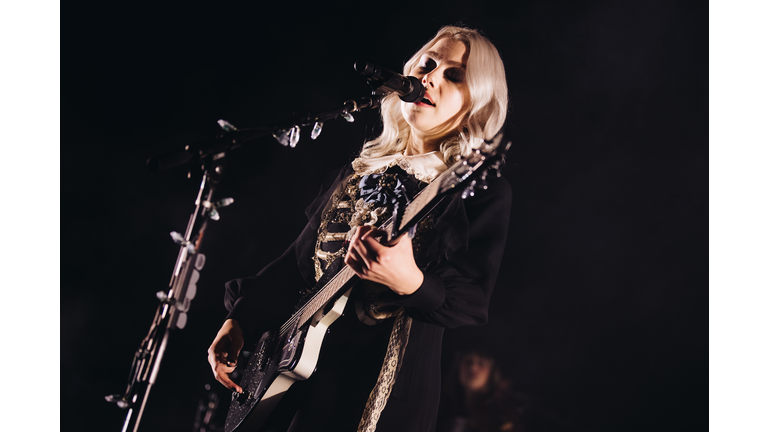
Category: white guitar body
[314,339]
[303,368]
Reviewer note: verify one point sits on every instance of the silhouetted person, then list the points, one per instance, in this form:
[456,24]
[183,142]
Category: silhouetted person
[476,398]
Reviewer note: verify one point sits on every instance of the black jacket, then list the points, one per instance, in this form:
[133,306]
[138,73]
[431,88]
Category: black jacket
[460,265]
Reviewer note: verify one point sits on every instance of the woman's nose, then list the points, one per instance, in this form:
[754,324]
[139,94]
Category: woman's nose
[427,80]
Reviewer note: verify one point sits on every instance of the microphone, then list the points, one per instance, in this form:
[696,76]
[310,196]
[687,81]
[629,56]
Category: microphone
[384,81]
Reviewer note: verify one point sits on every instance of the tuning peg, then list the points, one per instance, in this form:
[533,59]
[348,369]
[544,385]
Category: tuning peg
[496,168]
[462,169]
[483,183]
[469,191]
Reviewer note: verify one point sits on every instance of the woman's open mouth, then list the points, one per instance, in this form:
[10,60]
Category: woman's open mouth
[426,102]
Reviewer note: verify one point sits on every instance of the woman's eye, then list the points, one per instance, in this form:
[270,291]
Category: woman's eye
[455,75]
[427,65]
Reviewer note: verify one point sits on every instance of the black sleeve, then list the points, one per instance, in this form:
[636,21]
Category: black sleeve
[268,298]
[460,277]
[262,301]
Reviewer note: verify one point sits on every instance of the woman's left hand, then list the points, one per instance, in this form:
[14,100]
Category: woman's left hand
[391,265]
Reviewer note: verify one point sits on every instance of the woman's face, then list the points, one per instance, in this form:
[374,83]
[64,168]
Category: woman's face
[474,372]
[442,70]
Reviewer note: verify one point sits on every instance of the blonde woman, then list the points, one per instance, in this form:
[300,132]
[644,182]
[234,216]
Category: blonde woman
[379,366]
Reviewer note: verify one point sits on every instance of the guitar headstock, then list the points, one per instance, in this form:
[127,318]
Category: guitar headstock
[469,174]
[472,171]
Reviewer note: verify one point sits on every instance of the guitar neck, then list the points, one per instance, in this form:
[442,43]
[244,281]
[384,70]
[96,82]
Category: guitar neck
[324,295]
[414,210]
[447,182]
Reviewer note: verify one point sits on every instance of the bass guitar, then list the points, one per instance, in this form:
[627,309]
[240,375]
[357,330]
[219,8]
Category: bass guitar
[283,356]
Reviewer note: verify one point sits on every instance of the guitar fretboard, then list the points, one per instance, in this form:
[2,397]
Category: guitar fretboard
[325,294]
[420,202]
[331,289]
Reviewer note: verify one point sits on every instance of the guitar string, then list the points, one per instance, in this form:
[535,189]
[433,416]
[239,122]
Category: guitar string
[332,287]
[322,296]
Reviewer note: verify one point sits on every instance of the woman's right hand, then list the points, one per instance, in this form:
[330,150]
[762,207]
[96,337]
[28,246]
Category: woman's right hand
[223,353]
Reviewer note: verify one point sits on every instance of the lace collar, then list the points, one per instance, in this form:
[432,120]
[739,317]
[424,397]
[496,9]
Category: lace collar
[425,167]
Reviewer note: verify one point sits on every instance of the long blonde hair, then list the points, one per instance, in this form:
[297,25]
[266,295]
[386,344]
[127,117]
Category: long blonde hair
[485,114]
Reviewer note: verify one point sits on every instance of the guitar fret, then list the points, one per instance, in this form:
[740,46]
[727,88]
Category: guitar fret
[454,179]
[418,203]
[309,309]
[321,298]
[422,199]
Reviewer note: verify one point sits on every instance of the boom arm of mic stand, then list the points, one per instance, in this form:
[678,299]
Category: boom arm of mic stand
[233,139]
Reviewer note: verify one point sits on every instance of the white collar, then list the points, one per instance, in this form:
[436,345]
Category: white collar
[425,167]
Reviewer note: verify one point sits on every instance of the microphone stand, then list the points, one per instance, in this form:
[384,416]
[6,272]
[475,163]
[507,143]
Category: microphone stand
[174,304]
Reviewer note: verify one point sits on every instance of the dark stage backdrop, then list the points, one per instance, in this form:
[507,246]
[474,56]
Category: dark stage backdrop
[600,311]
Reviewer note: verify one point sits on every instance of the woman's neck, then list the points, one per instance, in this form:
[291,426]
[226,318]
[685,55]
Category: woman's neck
[418,145]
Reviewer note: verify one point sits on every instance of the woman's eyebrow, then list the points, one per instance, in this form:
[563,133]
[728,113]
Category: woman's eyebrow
[439,56]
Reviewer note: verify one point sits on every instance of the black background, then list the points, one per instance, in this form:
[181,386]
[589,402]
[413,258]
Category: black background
[600,311]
